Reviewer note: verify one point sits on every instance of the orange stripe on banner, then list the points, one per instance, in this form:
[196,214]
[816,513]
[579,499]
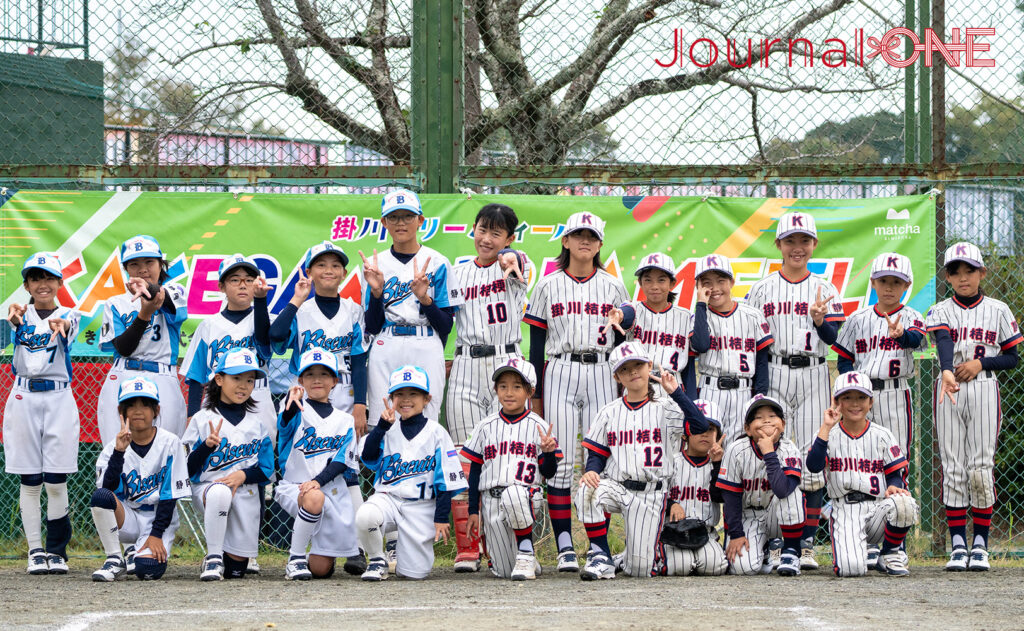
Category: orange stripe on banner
[32,238]
[233,211]
[17,247]
[209,235]
[36,201]
[29,210]
[198,246]
[33,229]
[222,222]
[245,198]
[751,229]
[56,193]
[23,219]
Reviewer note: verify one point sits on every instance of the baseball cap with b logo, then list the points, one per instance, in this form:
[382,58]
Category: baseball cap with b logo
[409,377]
[892,264]
[713,263]
[318,357]
[140,246]
[628,352]
[324,247]
[234,262]
[963,251]
[46,261]
[852,380]
[584,221]
[657,261]
[519,366]
[138,387]
[240,360]
[794,223]
[400,199]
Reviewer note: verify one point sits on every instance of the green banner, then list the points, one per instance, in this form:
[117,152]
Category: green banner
[196,230]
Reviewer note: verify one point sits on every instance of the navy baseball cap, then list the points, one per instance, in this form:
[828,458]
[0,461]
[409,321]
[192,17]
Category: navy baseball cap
[760,401]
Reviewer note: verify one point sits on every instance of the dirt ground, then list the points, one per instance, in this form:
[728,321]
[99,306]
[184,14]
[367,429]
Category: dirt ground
[930,598]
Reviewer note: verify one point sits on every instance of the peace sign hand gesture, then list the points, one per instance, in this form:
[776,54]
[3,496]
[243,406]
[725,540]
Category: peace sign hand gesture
[832,417]
[213,438]
[895,328]
[717,450]
[548,443]
[295,394]
[124,437]
[372,275]
[668,381]
[819,308]
[388,414]
[420,282]
[302,288]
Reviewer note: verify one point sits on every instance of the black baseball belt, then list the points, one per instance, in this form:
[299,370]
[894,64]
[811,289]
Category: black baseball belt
[484,350]
[797,361]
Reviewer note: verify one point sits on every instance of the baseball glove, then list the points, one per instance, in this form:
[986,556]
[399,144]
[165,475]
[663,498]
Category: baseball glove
[688,534]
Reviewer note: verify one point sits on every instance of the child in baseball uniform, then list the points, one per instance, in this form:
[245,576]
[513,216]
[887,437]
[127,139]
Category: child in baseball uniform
[243,323]
[731,340]
[629,464]
[568,316]
[694,495]
[761,498]
[975,336]
[142,328]
[316,443]
[230,455]
[410,296]
[804,315]
[863,464]
[510,452]
[141,475]
[40,420]
[493,289]
[416,473]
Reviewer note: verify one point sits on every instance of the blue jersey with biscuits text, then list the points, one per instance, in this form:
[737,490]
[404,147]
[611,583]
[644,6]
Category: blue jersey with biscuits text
[162,474]
[401,308]
[215,336]
[341,335]
[417,468]
[309,442]
[161,341]
[241,446]
[36,356]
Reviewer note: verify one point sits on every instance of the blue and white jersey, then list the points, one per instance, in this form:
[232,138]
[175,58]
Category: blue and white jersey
[162,474]
[309,442]
[420,468]
[35,356]
[241,446]
[400,305]
[215,336]
[341,335]
[162,338]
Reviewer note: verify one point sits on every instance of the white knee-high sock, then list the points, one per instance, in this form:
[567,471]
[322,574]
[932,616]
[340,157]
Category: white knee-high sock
[56,500]
[302,533]
[106,528]
[31,515]
[369,520]
[215,517]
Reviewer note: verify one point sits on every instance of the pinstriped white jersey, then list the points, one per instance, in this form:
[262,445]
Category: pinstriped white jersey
[786,304]
[861,462]
[572,310]
[310,442]
[691,487]
[864,340]
[215,336]
[743,470]
[417,468]
[637,438]
[736,337]
[493,306]
[161,341]
[35,356]
[983,329]
[341,335]
[665,336]
[162,474]
[508,449]
[400,305]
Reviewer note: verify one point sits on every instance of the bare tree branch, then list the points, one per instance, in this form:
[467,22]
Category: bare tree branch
[359,41]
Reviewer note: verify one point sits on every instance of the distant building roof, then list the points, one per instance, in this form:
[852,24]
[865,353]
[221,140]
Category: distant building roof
[52,74]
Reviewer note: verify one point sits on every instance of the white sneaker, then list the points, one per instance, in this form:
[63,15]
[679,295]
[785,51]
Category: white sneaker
[467,565]
[892,564]
[56,564]
[775,552]
[376,570]
[619,561]
[789,563]
[598,567]
[979,560]
[391,554]
[957,560]
[297,569]
[873,553]
[37,562]
[213,568]
[526,567]
[112,568]
[129,560]
[253,567]
[567,561]
[807,560]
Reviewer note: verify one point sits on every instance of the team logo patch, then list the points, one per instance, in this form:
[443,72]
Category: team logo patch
[18,397]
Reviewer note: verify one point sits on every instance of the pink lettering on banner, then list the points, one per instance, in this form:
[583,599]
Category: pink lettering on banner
[204,297]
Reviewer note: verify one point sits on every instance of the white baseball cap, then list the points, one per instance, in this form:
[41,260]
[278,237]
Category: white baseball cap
[400,199]
[657,261]
[584,221]
[240,360]
[628,352]
[963,251]
[519,366]
[792,223]
[324,247]
[852,380]
[713,263]
[761,400]
[318,357]
[235,261]
[409,377]
[138,387]
[46,261]
[140,246]
[892,264]
[711,411]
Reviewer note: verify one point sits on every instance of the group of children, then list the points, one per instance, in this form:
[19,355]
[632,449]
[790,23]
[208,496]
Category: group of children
[750,429]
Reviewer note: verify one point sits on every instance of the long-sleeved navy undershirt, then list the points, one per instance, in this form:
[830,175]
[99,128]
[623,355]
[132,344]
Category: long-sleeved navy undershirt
[164,511]
[441,320]
[232,413]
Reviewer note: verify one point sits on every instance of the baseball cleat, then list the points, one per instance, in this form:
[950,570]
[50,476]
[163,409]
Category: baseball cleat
[873,553]
[253,566]
[355,565]
[619,561]
[957,560]
[213,568]
[112,568]
[892,564]
[376,570]
[129,560]
[567,561]
[526,567]
[467,562]
[807,560]
[297,569]
[789,563]
[598,567]
[978,561]
[775,552]
[391,553]
[56,564]
[37,562]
